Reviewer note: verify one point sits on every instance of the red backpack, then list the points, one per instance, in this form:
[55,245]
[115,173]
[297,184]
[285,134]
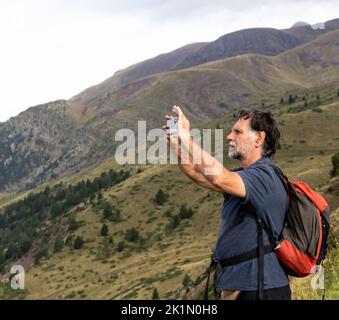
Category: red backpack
[305,235]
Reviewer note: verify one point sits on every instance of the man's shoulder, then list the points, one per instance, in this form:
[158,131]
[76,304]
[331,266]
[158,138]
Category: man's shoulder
[263,165]
[261,175]
[264,162]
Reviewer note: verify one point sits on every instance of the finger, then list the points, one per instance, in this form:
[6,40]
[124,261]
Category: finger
[175,110]
[168,116]
[172,138]
[165,127]
[180,113]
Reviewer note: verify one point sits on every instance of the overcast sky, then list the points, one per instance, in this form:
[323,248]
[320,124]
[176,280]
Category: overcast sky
[54,49]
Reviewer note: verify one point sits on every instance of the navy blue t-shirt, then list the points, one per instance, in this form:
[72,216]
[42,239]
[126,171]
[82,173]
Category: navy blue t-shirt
[239,231]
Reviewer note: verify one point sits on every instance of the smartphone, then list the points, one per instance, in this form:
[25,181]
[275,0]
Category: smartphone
[173,125]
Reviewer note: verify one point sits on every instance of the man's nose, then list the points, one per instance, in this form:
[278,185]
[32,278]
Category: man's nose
[230,137]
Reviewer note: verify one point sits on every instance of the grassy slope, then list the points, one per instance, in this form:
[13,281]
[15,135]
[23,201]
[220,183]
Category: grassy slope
[134,273]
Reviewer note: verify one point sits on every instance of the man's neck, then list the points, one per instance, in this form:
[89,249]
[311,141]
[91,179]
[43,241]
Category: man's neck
[245,163]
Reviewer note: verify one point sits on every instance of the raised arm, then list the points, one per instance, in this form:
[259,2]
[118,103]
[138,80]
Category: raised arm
[190,170]
[208,172]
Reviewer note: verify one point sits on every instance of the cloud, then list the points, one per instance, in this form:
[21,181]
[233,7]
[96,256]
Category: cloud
[156,10]
[54,49]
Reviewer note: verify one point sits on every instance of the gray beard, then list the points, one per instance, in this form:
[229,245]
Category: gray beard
[235,154]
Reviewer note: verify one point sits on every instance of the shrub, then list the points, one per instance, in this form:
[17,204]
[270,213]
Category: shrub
[104,230]
[78,243]
[73,225]
[132,235]
[161,197]
[58,244]
[186,281]
[335,164]
[174,221]
[107,212]
[120,246]
[155,294]
[185,213]
[41,254]
[291,99]
[111,214]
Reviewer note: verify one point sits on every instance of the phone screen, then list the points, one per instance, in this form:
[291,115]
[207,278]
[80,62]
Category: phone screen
[173,125]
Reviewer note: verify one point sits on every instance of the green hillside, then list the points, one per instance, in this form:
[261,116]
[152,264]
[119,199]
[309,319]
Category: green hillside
[148,245]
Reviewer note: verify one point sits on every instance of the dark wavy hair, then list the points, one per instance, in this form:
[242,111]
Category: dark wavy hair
[263,121]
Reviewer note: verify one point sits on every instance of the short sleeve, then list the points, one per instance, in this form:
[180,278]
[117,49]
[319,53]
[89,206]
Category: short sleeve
[259,183]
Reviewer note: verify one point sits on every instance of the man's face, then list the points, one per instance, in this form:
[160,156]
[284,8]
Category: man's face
[241,140]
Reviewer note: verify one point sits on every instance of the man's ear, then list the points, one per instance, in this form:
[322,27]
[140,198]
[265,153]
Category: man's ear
[260,138]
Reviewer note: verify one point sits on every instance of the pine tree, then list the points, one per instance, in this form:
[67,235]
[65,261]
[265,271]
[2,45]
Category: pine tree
[174,221]
[2,262]
[59,243]
[155,295]
[107,212]
[99,197]
[120,246]
[185,213]
[335,164]
[78,243]
[132,235]
[104,230]
[186,281]
[160,197]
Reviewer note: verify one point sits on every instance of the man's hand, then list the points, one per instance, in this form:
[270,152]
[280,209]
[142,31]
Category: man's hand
[183,124]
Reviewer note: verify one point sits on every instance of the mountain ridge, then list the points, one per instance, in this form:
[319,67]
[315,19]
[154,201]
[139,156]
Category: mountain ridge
[298,35]
[84,132]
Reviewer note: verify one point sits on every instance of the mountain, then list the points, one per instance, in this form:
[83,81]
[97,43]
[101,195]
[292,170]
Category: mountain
[261,41]
[40,144]
[59,138]
[210,89]
[300,24]
[256,40]
[162,63]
